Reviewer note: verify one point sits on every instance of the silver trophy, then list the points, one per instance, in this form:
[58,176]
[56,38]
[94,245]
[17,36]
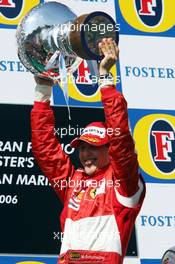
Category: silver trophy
[51,37]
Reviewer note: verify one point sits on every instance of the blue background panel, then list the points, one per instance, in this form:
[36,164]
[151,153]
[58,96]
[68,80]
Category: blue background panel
[150,261]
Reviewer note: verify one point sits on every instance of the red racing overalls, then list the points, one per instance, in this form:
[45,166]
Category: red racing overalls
[98,215]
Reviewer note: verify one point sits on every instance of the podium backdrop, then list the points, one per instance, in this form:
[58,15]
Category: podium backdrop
[29,208]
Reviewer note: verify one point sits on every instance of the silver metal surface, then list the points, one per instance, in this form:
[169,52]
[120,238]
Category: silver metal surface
[42,34]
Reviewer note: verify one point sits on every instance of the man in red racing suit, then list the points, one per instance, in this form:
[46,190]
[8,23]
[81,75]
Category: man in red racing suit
[101,205]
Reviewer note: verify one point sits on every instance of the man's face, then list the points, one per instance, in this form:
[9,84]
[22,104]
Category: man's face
[93,157]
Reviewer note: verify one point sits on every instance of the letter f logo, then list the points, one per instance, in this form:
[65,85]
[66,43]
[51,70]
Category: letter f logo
[163,144]
[147,7]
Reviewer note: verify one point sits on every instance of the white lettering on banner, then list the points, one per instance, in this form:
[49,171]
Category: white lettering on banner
[150,72]
[15,146]
[8,161]
[6,179]
[37,180]
[11,146]
[94,131]
[157,221]
[67,148]
[29,146]
[8,199]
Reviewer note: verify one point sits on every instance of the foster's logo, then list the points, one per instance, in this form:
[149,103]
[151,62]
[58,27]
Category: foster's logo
[155,143]
[148,15]
[162,145]
[149,11]
[11,9]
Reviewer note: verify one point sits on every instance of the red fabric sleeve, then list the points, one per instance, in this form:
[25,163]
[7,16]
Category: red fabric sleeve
[47,150]
[122,156]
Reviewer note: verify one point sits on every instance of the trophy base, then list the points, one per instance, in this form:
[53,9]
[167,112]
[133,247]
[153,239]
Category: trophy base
[88,30]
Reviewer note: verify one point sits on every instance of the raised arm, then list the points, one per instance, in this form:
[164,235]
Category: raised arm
[121,151]
[46,148]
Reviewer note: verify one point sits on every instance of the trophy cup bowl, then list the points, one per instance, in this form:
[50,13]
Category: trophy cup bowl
[42,33]
[51,29]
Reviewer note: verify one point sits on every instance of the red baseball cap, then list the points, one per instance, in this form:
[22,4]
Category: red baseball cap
[94,134]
